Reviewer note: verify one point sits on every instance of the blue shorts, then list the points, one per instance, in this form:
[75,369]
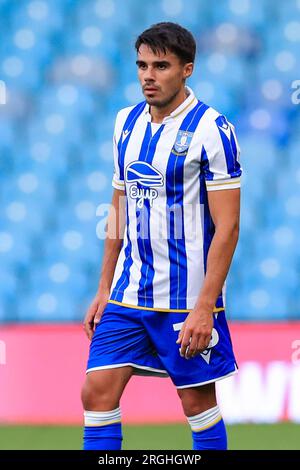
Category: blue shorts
[146,340]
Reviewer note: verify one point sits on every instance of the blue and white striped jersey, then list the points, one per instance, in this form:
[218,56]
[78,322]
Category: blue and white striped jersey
[166,170]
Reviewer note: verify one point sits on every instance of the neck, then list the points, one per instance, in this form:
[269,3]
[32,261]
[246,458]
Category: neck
[159,113]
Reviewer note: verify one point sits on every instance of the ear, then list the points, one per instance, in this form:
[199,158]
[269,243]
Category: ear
[188,70]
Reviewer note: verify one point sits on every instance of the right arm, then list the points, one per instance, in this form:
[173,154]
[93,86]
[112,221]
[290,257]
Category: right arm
[113,242]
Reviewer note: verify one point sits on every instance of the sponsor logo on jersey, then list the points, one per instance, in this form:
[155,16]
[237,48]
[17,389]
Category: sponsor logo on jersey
[125,134]
[143,179]
[223,125]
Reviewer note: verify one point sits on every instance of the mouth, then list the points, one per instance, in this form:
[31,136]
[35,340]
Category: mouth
[150,90]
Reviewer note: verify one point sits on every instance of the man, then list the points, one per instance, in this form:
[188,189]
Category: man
[159,309]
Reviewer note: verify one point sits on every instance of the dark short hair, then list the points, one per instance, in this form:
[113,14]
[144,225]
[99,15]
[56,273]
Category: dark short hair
[163,37]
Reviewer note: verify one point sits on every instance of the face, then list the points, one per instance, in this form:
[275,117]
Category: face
[162,76]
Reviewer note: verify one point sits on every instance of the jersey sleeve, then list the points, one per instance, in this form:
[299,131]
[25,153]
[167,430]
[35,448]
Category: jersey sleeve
[220,158]
[117,182]
[118,178]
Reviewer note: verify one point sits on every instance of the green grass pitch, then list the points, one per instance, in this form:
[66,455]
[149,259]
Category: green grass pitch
[175,436]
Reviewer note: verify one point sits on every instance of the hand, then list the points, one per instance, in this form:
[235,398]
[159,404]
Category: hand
[195,333]
[94,313]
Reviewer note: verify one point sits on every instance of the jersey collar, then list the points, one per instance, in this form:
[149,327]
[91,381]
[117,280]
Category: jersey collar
[187,104]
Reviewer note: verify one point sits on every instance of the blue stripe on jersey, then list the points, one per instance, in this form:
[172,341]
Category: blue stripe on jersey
[238,170]
[233,143]
[233,167]
[205,166]
[145,291]
[175,193]
[123,281]
[128,126]
[208,227]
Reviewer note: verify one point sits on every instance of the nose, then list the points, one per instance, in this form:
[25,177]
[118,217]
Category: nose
[149,75]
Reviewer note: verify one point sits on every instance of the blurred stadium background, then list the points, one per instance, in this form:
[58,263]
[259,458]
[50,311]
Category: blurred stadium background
[68,66]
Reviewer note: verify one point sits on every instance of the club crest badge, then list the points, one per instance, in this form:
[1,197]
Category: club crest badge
[183,141]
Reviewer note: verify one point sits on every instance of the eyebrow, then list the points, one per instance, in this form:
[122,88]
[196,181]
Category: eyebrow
[157,62]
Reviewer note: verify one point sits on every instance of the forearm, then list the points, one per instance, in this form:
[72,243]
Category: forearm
[218,262]
[110,258]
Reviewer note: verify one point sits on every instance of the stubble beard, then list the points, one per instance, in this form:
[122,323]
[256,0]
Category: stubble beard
[162,103]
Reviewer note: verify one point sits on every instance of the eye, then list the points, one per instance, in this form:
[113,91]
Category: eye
[161,66]
[142,66]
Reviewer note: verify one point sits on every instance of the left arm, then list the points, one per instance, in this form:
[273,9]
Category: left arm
[196,331]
